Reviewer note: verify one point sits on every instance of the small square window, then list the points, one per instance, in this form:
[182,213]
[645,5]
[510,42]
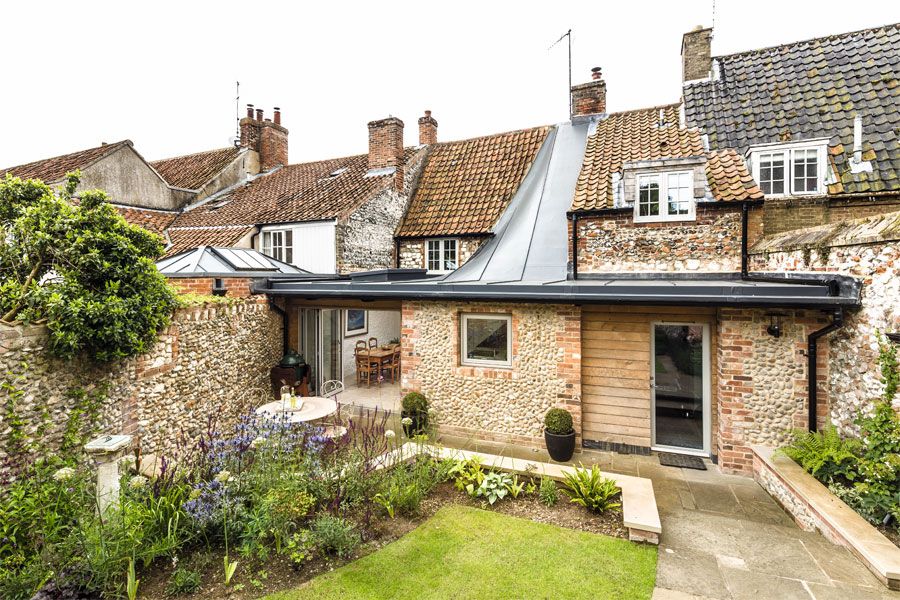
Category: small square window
[771,173]
[441,256]
[677,187]
[486,340]
[792,168]
[806,170]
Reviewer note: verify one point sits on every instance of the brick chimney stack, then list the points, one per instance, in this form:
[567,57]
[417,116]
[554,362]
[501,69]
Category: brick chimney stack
[266,137]
[427,129]
[696,54]
[589,98]
[386,147]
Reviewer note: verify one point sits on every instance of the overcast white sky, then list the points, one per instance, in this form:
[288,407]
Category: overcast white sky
[162,73]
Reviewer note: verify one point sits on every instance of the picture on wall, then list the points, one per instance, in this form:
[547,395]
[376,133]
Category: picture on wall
[356,322]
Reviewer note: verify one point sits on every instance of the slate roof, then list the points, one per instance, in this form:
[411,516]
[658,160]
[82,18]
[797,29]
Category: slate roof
[304,192]
[51,170]
[810,89]
[636,135]
[155,221]
[193,170]
[192,237]
[466,185]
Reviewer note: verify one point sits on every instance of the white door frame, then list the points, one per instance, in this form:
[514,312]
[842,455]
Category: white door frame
[707,391]
[319,364]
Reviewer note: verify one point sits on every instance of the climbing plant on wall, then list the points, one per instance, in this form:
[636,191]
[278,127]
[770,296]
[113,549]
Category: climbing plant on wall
[80,266]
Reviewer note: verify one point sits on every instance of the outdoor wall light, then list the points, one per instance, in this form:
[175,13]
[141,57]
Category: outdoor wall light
[774,328]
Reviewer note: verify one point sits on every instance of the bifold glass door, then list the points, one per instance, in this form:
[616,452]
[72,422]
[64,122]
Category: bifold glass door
[680,387]
[320,344]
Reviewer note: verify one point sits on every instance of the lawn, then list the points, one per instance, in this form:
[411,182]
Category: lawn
[469,553]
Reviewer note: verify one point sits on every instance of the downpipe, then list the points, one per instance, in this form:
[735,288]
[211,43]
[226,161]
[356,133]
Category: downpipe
[812,347]
[284,324]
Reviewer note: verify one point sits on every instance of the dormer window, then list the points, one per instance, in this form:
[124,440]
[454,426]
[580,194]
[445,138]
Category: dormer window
[441,256]
[665,196]
[790,169]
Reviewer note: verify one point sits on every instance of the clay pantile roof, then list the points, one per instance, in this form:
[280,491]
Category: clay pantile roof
[193,170]
[306,192]
[189,238]
[806,90]
[728,177]
[155,221]
[630,136]
[466,185]
[51,170]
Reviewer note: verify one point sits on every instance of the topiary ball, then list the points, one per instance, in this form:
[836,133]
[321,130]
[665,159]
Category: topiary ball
[414,402]
[558,421]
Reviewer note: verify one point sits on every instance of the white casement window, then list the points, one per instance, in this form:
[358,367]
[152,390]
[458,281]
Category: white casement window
[279,245]
[667,196]
[441,255]
[486,340]
[789,169]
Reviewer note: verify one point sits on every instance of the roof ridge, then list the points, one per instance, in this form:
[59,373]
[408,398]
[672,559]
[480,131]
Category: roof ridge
[490,135]
[159,160]
[830,36]
[634,110]
[109,148]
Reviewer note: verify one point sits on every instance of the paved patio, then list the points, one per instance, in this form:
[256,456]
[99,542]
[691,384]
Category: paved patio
[725,538]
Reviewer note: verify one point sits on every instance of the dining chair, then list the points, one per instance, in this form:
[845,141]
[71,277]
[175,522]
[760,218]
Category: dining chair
[395,365]
[373,342]
[365,367]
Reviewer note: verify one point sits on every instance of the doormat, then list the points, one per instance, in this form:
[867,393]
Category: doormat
[668,459]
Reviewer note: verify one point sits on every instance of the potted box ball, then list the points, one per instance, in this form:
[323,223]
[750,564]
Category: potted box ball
[559,435]
[414,414]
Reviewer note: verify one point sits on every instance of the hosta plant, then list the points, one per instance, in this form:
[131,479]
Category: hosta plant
[494,487]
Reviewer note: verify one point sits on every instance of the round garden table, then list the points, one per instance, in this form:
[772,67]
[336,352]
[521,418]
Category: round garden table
[309,408]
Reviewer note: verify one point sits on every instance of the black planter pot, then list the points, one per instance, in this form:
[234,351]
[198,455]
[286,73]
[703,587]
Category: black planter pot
[560,447]
[419,422]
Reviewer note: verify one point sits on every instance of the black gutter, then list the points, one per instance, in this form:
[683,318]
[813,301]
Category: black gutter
[284,325]
[812,343]
[812,346]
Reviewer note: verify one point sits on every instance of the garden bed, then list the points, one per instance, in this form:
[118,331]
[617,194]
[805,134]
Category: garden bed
[278,573]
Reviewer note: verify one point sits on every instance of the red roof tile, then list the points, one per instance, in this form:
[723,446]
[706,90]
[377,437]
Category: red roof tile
[193,170]
[466,185]
[729,178]
[193,237]
[51,170]
[155,221]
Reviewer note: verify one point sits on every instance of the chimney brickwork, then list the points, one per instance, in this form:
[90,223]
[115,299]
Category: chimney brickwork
[268,138]
[589,98]
[696,54]
[427,129]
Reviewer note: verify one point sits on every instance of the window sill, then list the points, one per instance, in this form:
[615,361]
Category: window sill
[678,219]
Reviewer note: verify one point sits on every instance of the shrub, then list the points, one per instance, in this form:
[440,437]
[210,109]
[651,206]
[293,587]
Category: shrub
[414,402]
[183,581]
[824,454]
[590,489]
[558,421]
[548,492]
[495,486]
[334,536]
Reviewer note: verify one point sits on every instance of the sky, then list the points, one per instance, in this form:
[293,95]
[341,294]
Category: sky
[163,73]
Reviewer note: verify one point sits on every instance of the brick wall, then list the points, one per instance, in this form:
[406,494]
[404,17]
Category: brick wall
[237,287]
[696,54]
[615,243]
[762,381]
[502,404]
[788,214]
[213,361]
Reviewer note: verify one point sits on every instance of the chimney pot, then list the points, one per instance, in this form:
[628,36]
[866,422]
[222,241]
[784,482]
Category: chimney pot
[249,111]
[596,73]
[259,114]
[277,116]
[589,98]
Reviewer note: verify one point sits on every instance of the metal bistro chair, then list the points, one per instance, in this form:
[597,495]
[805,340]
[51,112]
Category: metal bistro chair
[338,428]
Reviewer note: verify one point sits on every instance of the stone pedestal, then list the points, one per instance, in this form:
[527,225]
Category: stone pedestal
[106,452]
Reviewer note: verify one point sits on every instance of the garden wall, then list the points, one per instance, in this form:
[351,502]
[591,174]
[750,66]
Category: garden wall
[501,404]
[212,360]
[869,250]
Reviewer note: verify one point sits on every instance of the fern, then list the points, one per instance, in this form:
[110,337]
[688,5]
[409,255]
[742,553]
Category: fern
[824,454]
[590,489]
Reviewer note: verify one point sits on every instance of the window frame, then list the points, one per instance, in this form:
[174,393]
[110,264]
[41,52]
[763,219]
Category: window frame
[664,215]
[788,151]
[442,244]
[267,246]
[463,340]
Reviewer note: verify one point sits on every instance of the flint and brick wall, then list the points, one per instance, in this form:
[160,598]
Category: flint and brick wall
[762,381]
[501,404]
[413,251]
[788,214]
[213,361]
[615,243]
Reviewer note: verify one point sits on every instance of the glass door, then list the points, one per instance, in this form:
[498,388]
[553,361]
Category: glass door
[680,387]
[320,344]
